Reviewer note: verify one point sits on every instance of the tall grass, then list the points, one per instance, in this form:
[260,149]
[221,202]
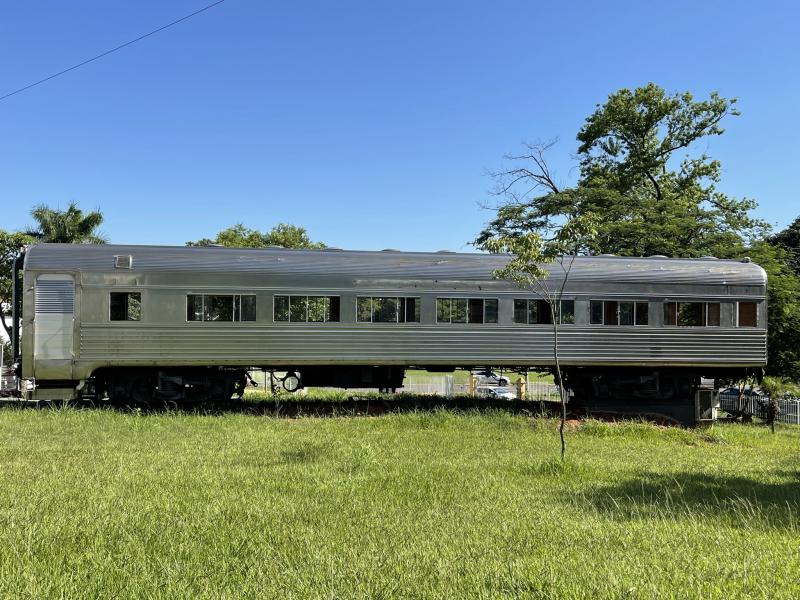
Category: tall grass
[424,504]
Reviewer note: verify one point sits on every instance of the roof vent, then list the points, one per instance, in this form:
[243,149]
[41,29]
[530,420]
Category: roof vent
[746,259]
[123,261]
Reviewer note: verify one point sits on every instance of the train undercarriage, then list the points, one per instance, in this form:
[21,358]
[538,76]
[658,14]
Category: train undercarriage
[622,390]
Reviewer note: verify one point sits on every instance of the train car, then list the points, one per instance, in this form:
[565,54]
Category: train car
[141,322]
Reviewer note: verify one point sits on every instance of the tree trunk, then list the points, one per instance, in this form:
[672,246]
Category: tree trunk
[562,393]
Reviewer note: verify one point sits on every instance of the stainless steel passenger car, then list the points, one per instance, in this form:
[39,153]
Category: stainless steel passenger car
[175,322]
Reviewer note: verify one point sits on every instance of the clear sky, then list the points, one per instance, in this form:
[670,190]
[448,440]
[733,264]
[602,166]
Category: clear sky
[370,123]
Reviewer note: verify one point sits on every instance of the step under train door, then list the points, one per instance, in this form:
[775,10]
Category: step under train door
[53,325]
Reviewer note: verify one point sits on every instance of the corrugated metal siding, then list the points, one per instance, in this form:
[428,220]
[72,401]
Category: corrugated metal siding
[385,265]
[54,297]
[256,345]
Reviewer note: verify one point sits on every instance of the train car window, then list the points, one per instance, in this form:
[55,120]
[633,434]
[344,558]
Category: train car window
[642,310]
[520,311]
[391,309]
[298,308]
[670,313]
[281,308]
[610,312]
[613,312]
[247,308]
[596,312]
[317,307]
[466,310]
[533,312]
[222,308]
[692,314]
[384,310]
[458,310]
[305,309]
[747,314]
[409,310]
[626,310]
[712,314]
[125,306]
[333,309]
[538,312]
[475,310]
[218,308]
[194,307]
[490,311]
[568,312]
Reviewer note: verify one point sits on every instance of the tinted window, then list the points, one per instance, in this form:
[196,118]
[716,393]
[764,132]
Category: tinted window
[642,313]
[748,314]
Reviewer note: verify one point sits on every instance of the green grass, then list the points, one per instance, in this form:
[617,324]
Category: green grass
[99,503]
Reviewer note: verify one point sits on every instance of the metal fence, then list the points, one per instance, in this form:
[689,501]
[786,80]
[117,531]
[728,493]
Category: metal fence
[440,386]
[540,390]
[8,383]
[789,408]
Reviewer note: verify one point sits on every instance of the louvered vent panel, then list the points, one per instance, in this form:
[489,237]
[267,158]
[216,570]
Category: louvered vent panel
[54,297]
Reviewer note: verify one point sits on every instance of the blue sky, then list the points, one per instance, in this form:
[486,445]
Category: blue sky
[370,123]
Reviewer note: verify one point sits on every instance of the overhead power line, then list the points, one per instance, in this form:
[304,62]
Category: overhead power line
[107,52]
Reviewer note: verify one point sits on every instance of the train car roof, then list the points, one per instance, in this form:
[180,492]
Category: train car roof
[380,264]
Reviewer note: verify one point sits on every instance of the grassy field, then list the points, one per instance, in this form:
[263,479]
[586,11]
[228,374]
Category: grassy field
[100,503]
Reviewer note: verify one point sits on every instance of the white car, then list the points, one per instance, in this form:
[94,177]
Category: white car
[491,378]
[501,393]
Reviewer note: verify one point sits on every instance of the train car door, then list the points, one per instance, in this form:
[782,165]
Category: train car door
[53,322]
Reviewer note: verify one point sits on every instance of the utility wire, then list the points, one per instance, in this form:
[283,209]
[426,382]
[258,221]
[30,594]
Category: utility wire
[107,52]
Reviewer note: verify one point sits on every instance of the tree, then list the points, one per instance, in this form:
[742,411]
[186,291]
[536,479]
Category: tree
[783,309]
[11,243]
[530,252]
[70,226]
[646,201]
[789,240]
[652,194]
[239,236]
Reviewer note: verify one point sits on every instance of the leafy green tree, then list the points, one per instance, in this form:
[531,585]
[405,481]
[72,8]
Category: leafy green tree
[10,245]
[789,240]
[530,252]
[239,236]
[783,309]
[70,226]
[649,197]
[652,193]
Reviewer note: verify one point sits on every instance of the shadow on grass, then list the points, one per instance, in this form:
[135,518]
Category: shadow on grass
[737,501]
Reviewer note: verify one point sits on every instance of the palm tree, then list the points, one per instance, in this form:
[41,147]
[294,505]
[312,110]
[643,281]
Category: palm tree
[71,226]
